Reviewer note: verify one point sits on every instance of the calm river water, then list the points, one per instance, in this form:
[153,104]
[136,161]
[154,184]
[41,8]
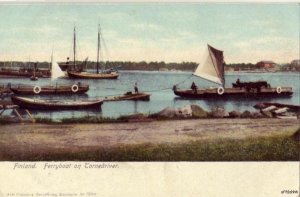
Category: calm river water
[159,84]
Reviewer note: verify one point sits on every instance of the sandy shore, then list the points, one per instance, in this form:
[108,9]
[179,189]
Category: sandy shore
[26,139]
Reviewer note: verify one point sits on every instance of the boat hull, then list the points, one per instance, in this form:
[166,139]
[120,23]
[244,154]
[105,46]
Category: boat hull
[82,75]
[48,90]
[234,93]
[27,103]
[21,74]
[132,97]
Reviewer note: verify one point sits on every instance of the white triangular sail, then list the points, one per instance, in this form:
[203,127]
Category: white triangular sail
[212,68]
[56,72]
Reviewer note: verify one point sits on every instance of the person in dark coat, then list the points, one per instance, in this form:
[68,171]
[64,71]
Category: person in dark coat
[136,89]
[194,87]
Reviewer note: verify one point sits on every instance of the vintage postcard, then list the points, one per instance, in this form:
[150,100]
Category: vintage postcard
[149,99]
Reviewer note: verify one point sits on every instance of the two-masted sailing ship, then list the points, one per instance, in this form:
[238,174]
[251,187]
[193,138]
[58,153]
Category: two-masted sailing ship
[79,74]
[212,69]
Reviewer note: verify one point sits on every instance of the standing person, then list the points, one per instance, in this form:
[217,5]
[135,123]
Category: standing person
[194,87]
[136,90]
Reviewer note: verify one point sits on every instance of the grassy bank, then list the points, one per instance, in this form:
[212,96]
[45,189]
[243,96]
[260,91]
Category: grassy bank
[278,148]
[84,119]
[128,118]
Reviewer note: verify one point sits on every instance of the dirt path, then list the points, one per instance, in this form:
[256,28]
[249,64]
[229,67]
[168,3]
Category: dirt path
[28,138]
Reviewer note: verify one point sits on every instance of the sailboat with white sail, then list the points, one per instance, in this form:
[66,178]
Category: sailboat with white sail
[108,74]
[56,71]
[212,69]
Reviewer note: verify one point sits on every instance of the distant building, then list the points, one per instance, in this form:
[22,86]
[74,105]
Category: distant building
[265,64]
[295,62]
[294,66]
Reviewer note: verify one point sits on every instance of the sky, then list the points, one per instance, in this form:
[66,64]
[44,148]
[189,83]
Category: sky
[170,32]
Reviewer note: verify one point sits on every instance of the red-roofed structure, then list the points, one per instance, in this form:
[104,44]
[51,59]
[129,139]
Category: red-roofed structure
[266,64]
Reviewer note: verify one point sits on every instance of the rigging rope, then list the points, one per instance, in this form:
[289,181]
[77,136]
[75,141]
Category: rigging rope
[154,90]
[170,88]
[184,80]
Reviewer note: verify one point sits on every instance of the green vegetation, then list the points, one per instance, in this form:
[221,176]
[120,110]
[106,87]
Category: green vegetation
[153,66]
[278,148]
[243,66]
[84,119]
[149,66]
[198,113]
[92,119]
[43,120]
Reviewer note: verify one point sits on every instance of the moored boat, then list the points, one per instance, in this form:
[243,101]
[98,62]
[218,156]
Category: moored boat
[78,88]
[87,75]
[27,73]
[212,69]
[234,93]
[39,104]
[34,77]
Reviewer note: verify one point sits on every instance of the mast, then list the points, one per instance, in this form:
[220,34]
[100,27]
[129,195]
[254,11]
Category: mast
[35,65]
[98,49]
[74,47]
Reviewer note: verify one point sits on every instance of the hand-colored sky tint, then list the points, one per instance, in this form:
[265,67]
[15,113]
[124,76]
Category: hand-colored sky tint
[171,32]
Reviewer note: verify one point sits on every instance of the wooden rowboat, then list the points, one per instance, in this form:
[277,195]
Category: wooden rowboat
[39,104]
[58,89]
[130,96]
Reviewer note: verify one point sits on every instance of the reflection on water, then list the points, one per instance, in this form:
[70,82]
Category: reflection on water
[156,83]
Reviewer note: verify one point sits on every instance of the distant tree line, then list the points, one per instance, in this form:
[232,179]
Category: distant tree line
[150,66]
[127,65]
[242,66]
[293,66]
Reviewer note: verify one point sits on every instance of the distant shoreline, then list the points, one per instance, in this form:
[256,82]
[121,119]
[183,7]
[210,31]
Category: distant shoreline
[189,71]
[157,66]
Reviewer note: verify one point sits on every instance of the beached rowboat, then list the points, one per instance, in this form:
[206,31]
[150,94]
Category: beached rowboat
[39,104]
